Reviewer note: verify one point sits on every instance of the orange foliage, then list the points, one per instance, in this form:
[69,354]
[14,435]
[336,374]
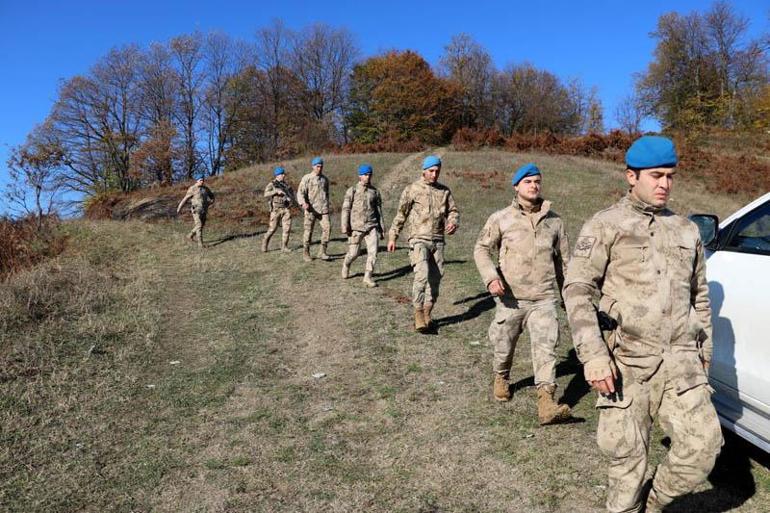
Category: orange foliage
[23,245]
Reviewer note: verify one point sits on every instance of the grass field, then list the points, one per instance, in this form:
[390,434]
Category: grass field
[139,374]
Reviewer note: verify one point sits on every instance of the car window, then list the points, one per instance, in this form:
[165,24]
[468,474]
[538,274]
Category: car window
[751,233]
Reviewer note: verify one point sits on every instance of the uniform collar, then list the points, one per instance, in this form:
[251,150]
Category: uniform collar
[542,207]
[640,206]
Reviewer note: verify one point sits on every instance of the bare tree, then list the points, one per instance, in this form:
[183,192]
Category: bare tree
[629,114]
[469,65]
[187,54]
[97,123]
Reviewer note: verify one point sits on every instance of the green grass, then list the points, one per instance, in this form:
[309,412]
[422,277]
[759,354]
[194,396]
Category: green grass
[400,422]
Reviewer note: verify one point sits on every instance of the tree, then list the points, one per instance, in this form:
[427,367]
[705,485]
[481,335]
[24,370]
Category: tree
[188,55]
[97,123]
[469,66]
[33,168]
[629,114]
[704,73]
[396,94]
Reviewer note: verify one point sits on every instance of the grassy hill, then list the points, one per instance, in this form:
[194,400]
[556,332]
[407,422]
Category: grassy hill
[139,374]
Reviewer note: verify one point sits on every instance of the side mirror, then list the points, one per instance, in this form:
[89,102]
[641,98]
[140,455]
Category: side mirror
[708,226]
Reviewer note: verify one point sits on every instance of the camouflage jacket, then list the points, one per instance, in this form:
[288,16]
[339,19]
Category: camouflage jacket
[429,207]
[278,198]
[200,197]
[314,190]
[647,266]
[362,209]
[532,251]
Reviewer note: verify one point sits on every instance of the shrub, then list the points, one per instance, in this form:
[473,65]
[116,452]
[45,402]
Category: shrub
[23,243]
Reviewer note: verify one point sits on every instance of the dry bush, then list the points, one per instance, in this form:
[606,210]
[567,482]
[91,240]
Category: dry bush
[23,243]
[469,139]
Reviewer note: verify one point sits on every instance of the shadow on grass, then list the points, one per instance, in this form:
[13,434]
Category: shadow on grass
[484,302]
[731,478]
[232,236]
[575,390]
[394,273]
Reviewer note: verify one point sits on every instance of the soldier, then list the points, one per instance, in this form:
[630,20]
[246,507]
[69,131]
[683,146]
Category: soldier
[201,197]
[362,221]
[281,200]
[433,213]
[532,252]
[646,265]
[313,192]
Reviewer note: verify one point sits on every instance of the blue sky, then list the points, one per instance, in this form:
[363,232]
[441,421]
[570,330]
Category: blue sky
[602,42]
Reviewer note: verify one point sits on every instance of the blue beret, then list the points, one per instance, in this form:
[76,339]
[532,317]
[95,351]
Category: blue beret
[316,161]
[364,169]
[430,161]
[651,151]
[525,171]
[279,171]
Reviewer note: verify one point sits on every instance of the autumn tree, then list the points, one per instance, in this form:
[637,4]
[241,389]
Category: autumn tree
[705,73]
[396,94]
[33,169]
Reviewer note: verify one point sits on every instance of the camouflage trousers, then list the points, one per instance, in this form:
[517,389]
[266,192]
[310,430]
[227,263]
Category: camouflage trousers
[427,259]
[310,220]
[199,221]
[371,239]
[687,417]
[282,215]
[539,317]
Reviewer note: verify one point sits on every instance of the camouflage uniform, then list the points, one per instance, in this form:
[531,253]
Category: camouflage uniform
[532,251]
[362,219]
[314,190]
[280,210]
[430,207]
[200,198]
[647,266]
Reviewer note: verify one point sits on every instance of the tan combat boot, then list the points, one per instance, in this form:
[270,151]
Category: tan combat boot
[426,310]
[501,388]
[419,320]
[368,281]
[265,243]
[322,254]
[306,253]
[345,269]
[548,410]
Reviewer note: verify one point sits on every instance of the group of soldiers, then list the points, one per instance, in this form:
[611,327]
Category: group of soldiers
[634,289]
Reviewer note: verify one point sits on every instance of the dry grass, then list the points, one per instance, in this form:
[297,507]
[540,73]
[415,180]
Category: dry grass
[399,422]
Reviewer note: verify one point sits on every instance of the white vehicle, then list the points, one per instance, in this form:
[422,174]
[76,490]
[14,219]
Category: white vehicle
[738,272]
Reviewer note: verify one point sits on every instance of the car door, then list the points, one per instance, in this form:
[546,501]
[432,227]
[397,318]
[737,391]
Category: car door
[739,285]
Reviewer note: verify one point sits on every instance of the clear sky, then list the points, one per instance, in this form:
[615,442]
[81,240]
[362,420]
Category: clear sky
[602,42]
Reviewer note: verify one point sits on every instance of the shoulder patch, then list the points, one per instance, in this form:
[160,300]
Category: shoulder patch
[583,247]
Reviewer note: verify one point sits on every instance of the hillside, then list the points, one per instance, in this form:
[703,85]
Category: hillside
[139,374]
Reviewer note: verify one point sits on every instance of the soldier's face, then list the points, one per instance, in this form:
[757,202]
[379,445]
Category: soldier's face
[529,188]
[199,182]
[431,174]
[653,186]
[365,179]
[280,177]
[318,169]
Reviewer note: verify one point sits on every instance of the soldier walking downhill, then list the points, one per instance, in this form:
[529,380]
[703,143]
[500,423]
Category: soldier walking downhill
[431,210]
[313,192]
[200,198]
[281,198]
[647,266]
[362,221]
[532,251]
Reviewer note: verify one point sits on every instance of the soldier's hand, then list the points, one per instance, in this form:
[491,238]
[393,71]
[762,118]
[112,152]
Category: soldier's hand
[451,228]
[496,288]
[605,384]
[306,206]
[391,246]
[706,365]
